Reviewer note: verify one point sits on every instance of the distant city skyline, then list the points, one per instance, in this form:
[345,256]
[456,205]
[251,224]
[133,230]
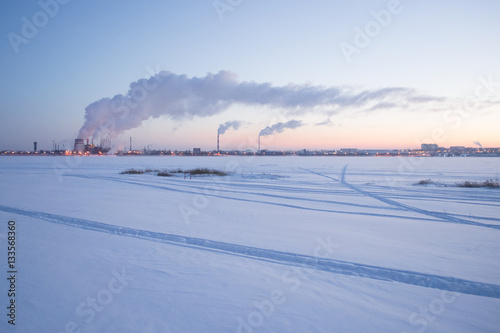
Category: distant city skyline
[368,75]
[89,147]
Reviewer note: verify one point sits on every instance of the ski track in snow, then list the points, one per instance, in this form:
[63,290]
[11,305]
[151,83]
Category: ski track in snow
[438,215]
[167,188]
[279,257]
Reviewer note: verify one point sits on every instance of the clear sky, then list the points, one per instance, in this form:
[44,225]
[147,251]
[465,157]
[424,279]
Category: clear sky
[57,58]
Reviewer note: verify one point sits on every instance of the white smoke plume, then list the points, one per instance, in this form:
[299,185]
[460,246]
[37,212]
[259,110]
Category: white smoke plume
[477,143]
[180,97]
[280,127]
[227,125]
[327,122]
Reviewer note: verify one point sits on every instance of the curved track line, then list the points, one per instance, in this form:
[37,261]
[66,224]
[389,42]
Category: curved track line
[452,193]
[166,188]
[269,195]
[445,217]
[319,174]
[279,257]
[248,183]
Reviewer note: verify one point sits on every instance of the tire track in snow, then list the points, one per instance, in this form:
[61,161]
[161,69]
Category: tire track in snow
[477,217]
[286,187]
[166,188]
[319,174]
[279,257]
[452,197]
[453,200]
[269,195]
[438,215]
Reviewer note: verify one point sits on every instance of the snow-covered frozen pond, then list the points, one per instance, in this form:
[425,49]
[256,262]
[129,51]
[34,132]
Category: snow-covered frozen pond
[282,244]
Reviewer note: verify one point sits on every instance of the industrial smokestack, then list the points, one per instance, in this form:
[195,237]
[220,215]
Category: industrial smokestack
[130,144]
[79,146]
[34,147]
[224,127]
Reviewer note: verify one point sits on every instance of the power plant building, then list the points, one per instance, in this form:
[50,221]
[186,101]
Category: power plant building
[89,148]
[79,146]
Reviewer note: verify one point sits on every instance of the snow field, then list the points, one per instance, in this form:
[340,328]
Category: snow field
[274,247]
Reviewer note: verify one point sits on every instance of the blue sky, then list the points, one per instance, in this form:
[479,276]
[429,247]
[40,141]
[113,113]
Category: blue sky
[93,49]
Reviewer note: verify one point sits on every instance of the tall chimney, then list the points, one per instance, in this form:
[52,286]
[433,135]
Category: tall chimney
[258,150]
[34,147]
[130,143]
[79,146]
[217,142]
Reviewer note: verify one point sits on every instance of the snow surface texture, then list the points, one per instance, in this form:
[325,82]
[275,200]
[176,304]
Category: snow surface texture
[283,244]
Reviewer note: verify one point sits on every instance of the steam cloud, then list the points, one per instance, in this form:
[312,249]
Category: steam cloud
[477,143]
[227,125]
[327,122]
[280,127]
[180,97]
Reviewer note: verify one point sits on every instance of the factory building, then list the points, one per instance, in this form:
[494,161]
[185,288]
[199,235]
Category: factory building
[89,148]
